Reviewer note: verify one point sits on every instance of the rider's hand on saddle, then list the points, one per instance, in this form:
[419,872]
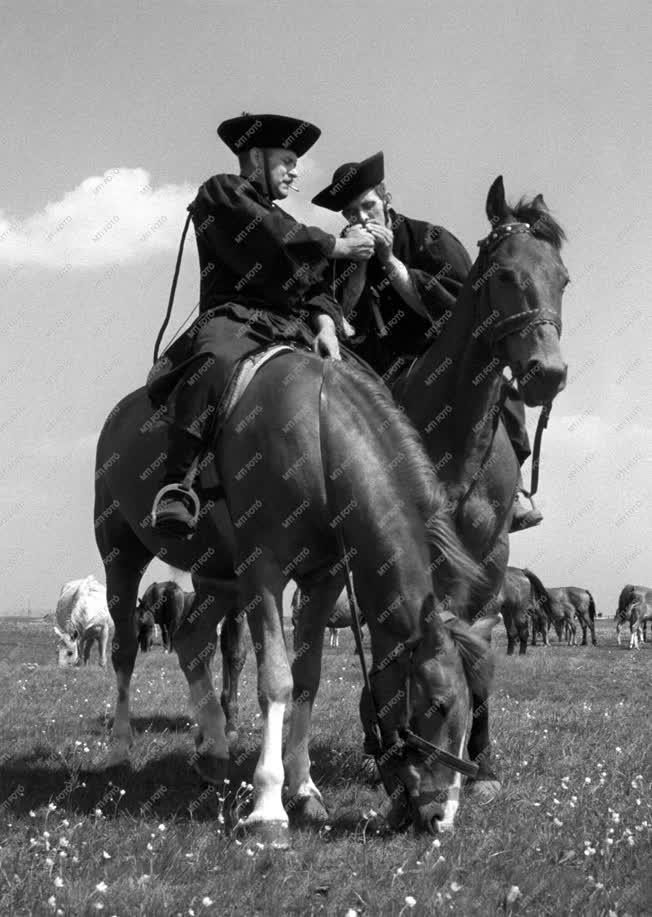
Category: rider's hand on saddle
[358,245]
[383,239]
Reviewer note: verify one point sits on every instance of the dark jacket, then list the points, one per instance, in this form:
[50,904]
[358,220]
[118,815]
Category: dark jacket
[254,253]
[438,265]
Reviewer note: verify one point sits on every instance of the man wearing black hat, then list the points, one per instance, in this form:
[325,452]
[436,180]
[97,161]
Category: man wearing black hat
[261,283]
[395,299]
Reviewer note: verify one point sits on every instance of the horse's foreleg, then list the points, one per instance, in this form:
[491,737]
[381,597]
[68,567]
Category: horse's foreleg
[522,636]
[262,596]
[305,799]
[234,655]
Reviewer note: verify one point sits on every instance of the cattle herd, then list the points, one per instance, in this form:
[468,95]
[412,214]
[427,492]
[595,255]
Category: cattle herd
[529,610]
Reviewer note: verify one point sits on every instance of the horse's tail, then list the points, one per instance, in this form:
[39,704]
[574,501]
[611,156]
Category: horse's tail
[541,596]
[591,606]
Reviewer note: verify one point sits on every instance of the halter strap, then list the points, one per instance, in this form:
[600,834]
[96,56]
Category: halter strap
[497,235]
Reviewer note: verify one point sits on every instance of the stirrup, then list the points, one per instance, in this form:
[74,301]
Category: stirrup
[177,488]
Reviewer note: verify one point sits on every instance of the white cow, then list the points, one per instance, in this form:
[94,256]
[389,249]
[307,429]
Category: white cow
[82,618]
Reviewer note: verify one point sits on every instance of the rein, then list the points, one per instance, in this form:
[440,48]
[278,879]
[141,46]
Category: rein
[173,289]
[405,738]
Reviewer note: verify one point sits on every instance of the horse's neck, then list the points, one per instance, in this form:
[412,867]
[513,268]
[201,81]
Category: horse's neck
[456,410]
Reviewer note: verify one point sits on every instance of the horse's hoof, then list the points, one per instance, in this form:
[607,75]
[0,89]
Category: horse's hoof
[210,768]
[483,792]
[369,771]
[274,833]
[118,757]
[307,810]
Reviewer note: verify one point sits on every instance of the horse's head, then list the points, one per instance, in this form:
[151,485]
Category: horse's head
[521,269]
[67,650]
[423,770]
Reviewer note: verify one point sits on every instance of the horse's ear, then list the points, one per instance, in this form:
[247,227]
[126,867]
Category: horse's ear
[497,209]
[538,203]
[484,626]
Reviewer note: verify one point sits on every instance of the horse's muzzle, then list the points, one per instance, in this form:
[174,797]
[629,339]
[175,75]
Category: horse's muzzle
[542,380]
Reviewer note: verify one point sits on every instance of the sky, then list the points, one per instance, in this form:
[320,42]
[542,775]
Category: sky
[110,113]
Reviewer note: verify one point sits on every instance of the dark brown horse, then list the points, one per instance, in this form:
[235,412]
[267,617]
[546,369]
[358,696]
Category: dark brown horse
[286,528]
[523,600]
[630,593]
[508,314]
[578,602]
[167,602]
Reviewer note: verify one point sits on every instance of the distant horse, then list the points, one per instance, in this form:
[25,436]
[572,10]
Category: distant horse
[522,598]
[639,612]
[382,465]
[168,603]
[146,629]
[628,594]
[583,606]
[340,617]
[83,619]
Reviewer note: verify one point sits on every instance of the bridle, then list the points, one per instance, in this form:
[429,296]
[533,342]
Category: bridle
[404,740]
[527,318]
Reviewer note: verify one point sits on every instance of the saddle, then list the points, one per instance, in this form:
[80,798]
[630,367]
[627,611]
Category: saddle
[241,377]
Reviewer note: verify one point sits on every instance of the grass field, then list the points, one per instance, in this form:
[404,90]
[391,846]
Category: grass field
[572,828]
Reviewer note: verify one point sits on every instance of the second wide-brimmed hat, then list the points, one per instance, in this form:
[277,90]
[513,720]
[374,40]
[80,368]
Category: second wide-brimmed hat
[246,131]
[350,180]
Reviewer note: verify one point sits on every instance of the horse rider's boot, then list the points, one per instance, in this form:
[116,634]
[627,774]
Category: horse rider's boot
[176,507]
[526,515]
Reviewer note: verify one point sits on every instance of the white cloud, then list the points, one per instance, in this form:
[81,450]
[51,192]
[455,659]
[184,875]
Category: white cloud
[120,217]
[116,217]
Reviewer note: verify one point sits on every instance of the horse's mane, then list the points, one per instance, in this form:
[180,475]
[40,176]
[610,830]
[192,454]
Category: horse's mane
[458,573]
[542,224]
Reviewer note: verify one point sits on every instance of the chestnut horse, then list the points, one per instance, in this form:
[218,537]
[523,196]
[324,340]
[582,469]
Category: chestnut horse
[332,416]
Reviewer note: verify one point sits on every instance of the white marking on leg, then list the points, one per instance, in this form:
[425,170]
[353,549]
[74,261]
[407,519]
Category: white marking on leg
[268,776]
[454,792]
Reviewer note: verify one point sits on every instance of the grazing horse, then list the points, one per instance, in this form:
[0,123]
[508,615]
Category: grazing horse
[340,617]
[168,603]
[521,598]
[628,594]
[83,619]
[146,629]
[508,314]
[639,612]
[333,415]
[582,605]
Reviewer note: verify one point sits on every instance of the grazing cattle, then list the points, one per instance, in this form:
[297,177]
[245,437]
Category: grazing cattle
[83,618]
[340,617]
[581,602]
[522,598]
[627,596]
[639,612]
[167,603]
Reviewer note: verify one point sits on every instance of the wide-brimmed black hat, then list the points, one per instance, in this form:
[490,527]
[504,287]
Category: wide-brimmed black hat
[242,133]
[350,180]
